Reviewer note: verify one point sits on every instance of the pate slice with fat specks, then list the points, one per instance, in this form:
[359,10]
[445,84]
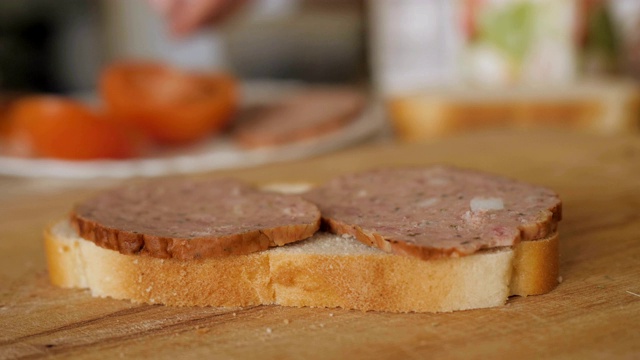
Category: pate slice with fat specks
[437,211]
[192,219]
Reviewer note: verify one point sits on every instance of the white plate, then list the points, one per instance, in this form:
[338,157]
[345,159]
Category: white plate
[217,153]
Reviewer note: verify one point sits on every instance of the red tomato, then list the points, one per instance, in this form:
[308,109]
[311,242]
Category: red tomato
[55,127]
[169,105]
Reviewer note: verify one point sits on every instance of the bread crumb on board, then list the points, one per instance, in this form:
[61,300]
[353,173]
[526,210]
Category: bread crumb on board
[203,330]
[560,279]
[269,330]
[632,293]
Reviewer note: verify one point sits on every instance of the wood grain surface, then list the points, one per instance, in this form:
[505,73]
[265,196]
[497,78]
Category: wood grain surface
[594,312]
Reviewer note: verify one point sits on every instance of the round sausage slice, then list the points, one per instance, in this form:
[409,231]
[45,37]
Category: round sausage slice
[303,116]
[192,219]
[437,211]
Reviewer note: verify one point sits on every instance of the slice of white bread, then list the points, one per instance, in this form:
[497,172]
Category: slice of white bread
[607,107]
[323,271]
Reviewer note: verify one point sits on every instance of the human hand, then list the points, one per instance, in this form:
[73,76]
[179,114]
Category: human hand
[186,16]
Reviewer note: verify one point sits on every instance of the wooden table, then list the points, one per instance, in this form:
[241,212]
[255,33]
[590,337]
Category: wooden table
[594,312]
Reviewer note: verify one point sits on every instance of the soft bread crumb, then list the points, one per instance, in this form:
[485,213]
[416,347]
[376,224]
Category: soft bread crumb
[328,244]
[269,330]
[203,330]
[632,293]
[287,188]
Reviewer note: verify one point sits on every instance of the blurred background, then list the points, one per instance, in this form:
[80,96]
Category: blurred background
[61,45]
[438,67]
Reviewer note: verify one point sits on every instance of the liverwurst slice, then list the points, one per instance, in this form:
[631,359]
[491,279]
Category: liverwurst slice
[306,115]
[436,211]
[192,219]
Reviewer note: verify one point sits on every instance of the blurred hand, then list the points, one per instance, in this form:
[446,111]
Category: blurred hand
[186,16]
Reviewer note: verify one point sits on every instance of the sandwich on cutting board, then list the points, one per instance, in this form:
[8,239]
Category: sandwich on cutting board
[431,239]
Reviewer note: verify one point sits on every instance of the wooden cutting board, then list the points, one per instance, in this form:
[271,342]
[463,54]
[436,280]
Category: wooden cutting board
[594,312]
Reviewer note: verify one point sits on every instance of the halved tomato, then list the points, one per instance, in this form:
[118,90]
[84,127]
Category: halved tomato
[169,105]
[55,127]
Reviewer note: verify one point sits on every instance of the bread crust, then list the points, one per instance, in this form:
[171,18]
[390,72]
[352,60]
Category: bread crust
[536,267]
[371,281]
[416,118]
[608,107]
